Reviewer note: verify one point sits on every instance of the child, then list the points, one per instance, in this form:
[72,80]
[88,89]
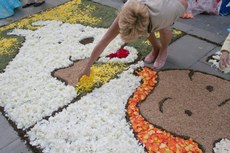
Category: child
[225,50]
[138,18]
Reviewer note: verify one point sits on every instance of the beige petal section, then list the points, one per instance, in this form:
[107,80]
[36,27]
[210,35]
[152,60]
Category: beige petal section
[190,104]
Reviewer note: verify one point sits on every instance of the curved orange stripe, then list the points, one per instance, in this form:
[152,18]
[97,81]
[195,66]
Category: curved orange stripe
[154,139]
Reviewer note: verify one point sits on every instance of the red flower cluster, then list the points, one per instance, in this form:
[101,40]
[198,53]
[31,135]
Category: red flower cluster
[154,139]
[121,53]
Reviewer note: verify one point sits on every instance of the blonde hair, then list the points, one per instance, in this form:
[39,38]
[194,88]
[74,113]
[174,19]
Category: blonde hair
[133,21]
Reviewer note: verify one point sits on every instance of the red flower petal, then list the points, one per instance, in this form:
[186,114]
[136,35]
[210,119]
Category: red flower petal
[121,53]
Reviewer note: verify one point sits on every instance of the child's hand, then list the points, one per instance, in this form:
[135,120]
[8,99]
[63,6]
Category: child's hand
[224,60]
[85,71]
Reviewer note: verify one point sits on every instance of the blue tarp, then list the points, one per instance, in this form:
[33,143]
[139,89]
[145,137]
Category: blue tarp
[7,7]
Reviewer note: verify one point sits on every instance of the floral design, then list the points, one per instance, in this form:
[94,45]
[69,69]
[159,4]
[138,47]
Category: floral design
[70,12]
[36,93]
[96,123]
[154,139]
[100,74]
[74,11]
[121,53]
[6,45]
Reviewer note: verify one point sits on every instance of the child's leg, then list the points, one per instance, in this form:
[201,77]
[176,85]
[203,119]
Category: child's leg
[155,49]
[165,38]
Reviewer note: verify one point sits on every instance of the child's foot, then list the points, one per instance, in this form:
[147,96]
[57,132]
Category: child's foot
[150,58]
[159,64]
[187,15]
[160,61]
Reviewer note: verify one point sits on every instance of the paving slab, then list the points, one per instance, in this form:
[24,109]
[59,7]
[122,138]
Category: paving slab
[7,134]
[17,146]
[212,23]
[112,3]
[210,27]
[169,65]
[188,50]
[201,33]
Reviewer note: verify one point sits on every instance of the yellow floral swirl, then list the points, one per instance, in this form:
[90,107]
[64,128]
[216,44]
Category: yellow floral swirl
[100,74]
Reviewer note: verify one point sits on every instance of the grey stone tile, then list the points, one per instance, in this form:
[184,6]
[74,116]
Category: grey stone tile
[7,133]
[201,33]
[18,146]
[212,23]
[182,26]
[207,35]
[169,65]
[4,22]
[210,70]
[57,2]
[112,3]
[188,50]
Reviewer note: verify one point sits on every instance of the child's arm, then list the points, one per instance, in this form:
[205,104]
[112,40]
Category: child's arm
[111,33]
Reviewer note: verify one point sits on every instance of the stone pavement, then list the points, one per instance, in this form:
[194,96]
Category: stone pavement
[205,35]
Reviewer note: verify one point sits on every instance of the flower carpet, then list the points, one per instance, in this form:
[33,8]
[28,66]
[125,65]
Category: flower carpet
[121,107]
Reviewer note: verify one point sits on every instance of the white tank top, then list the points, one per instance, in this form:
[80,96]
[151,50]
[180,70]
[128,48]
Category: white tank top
[163,13]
